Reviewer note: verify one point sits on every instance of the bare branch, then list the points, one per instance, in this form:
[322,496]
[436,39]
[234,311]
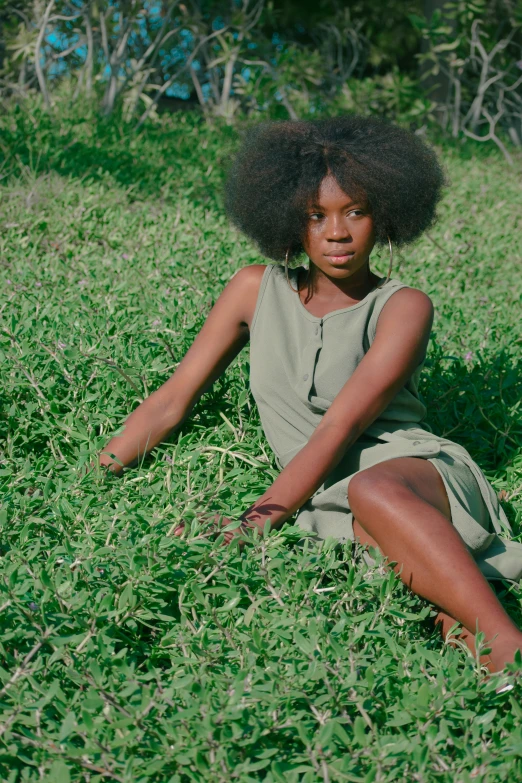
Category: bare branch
[491,133]
[37,63]
[169,82]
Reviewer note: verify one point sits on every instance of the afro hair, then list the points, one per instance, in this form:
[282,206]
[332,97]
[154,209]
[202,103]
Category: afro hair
[281,164]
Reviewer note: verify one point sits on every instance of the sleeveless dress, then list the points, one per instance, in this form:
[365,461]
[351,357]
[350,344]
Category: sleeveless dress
[298,364]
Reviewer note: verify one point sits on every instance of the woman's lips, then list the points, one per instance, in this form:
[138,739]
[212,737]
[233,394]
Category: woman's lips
[340,259]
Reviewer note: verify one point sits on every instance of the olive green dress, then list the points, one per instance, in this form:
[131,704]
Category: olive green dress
[298,364]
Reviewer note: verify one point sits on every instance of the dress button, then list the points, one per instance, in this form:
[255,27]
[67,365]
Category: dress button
[305,377]
[317,330]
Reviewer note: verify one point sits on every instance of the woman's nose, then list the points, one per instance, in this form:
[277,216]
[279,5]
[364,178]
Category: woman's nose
[336,228]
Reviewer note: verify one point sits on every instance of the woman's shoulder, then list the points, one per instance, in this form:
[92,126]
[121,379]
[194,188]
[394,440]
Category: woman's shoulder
[246,283]
[253,273]
[400,293]
[398,302]
[405,302]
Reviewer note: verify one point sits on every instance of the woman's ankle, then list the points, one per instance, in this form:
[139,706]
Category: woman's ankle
[503,650]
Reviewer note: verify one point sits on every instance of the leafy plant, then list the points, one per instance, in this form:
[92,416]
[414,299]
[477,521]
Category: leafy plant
[129,654]
[478,54]
[395,96]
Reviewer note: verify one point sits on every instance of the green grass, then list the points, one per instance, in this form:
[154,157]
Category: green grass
[127,654]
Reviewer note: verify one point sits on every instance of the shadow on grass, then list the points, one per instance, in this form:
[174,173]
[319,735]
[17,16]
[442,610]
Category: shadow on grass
[476,405]
[182,155]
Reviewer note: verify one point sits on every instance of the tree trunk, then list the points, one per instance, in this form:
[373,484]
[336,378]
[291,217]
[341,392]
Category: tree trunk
[37,49]
[438,87]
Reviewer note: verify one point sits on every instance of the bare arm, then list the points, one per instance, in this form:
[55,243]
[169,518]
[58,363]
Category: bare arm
[400,343]
[223,335]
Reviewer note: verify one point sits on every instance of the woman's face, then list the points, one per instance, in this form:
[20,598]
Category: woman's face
[340,234]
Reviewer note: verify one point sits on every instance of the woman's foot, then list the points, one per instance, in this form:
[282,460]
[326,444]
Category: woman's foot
[503,647]
[503,650]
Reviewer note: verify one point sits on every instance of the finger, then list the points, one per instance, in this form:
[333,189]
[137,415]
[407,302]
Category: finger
[227,538]
[204,518]
[232,536]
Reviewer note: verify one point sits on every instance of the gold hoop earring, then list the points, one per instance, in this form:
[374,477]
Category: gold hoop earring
[391,261]
[286,271]
[390,266]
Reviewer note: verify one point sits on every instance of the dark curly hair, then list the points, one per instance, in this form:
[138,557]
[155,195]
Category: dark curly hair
[281,164]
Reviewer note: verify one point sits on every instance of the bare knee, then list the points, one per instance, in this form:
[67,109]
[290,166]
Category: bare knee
[373,488]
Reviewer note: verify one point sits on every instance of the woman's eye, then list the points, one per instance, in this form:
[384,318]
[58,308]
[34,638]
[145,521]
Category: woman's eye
[318,215]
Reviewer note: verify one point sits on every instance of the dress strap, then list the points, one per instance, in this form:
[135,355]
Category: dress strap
[391,287]
[262,288]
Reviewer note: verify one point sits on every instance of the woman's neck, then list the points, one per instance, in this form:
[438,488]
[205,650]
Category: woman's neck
[321,287]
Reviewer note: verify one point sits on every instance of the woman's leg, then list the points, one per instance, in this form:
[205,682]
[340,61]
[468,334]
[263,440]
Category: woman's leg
[403,506]
[443,620]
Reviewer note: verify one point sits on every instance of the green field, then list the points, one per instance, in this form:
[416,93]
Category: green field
[128,654]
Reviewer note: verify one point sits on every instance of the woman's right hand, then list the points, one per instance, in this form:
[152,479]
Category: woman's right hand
[100,462]
[217,521]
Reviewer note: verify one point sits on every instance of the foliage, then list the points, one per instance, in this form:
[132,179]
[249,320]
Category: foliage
[477,51]
[395,96]
[230,57]
[134,53]
[273,57]
[128,654]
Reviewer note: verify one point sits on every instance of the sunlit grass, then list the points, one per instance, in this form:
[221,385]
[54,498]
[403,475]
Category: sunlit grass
[131,655]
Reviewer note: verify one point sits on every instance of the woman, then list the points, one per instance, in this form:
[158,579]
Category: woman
[335,358]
